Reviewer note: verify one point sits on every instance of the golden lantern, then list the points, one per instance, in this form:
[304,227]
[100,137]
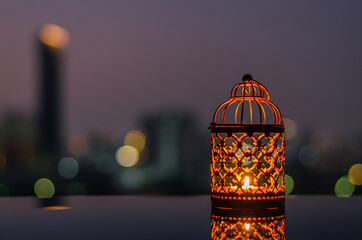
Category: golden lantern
[247,163]
[243,225]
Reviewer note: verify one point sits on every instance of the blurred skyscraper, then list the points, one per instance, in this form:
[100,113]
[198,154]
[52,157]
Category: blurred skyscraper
[52,41]
[178,154]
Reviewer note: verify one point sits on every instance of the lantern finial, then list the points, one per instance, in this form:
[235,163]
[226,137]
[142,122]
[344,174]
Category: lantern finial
[247,77]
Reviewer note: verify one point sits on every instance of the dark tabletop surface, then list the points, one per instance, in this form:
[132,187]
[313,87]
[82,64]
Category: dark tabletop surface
[151,217]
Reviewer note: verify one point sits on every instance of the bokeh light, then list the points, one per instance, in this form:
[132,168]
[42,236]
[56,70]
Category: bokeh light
[355,174]
[54,36]
[78,144]
[127,156]
[289,184]
[309,156]
[343,187]
[68,168]
[76,188]
[44,188]
[133,178]
[4,191]
[135,139]
[246,147]
[291,128]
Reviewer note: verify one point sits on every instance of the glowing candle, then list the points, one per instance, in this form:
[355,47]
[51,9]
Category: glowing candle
[246,183]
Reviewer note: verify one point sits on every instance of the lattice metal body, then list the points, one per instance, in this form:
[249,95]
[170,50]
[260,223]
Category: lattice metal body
[247,164]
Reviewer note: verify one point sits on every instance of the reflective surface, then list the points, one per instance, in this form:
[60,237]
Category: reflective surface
[244,225]
[176,218]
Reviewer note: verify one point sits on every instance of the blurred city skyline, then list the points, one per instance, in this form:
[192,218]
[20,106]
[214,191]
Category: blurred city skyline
[128,58]
[122,104]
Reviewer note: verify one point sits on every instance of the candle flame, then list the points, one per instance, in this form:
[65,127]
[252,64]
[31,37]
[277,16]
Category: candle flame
[246,183]
[247,226]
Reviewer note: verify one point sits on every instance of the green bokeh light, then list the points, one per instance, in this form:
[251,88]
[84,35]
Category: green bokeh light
[44,188]
[343,187]
[68,168]
[289,184]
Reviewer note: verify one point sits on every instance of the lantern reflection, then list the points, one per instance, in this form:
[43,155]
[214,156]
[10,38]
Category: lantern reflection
[244,224]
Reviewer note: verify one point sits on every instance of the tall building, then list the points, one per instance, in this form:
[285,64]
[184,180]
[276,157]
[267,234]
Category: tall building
[52,41]
[178,153]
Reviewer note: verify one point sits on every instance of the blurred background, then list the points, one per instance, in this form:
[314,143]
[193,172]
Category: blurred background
[115,97]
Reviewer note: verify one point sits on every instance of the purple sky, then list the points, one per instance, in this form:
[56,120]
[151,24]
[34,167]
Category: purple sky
[126,57]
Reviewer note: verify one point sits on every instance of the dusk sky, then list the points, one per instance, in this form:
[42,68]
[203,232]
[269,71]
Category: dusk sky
[129,57]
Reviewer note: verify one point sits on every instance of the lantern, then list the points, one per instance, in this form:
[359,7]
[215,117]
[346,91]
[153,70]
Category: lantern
[247,163]
[233,224]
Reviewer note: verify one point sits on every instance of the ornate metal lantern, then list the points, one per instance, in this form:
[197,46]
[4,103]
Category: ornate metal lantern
[247,163]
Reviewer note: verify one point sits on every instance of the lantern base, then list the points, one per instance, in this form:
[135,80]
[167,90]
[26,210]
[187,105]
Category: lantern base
[247,202]
[246,213]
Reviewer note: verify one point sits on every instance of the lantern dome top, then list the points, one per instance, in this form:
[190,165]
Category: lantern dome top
[248,104]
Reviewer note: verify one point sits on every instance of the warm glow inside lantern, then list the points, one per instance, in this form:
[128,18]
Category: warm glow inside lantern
[247,163]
